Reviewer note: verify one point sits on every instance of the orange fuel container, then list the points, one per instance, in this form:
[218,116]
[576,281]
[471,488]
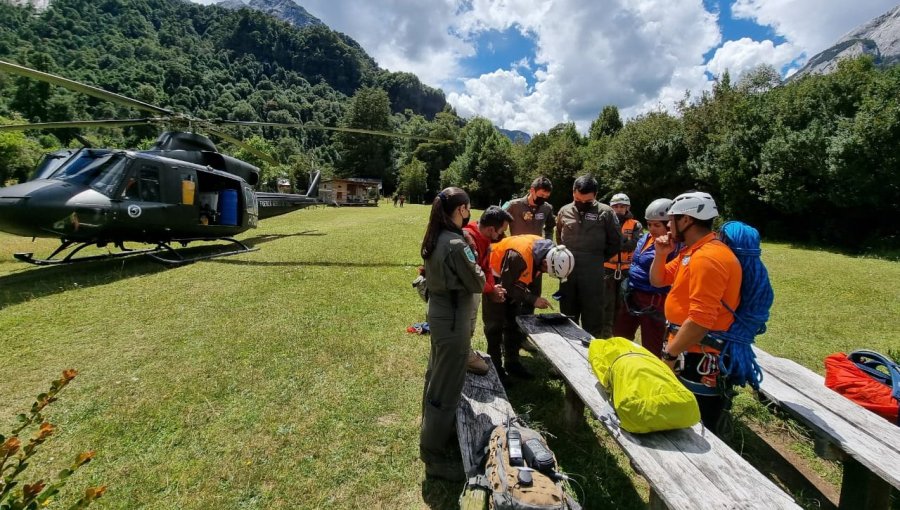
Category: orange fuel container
[187,192]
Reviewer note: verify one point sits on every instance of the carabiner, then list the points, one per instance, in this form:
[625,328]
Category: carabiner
[705,367]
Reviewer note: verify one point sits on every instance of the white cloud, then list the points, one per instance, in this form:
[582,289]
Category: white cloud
[594,53]
[812,25]
[745,54]
[402,35]
[639,55]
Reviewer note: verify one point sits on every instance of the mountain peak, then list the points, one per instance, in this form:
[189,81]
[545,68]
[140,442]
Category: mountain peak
[879,37]
[285,10]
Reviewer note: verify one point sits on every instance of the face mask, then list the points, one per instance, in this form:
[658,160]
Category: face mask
[499,238]
[539,201]
[465,221]
[583,207]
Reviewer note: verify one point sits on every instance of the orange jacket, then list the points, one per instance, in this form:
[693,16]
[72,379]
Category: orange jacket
[523,245]
[622,260]
[703,276]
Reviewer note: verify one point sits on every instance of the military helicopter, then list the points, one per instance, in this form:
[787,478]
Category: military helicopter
[180,190]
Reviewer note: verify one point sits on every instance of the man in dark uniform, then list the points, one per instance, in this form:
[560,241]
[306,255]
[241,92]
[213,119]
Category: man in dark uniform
[533,215]
[591,230]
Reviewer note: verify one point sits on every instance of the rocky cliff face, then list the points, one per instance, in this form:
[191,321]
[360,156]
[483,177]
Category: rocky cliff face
[879,38]
[39,5]
[285,10]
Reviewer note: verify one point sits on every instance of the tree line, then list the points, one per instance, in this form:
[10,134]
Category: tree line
[813,160]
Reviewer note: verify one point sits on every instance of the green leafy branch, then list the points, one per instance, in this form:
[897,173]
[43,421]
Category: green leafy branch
[15,459]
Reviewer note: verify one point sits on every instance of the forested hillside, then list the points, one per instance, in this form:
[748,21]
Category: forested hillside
[204,60]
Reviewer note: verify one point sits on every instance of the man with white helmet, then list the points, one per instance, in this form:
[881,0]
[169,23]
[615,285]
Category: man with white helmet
[515,262]
[616,267]
[706,285]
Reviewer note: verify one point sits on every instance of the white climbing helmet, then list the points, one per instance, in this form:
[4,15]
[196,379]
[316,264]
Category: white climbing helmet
[695,204]
[620,198]
[560,262]
[658,210]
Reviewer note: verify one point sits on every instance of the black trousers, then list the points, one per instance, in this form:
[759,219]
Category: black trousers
[712,407]
[504,338]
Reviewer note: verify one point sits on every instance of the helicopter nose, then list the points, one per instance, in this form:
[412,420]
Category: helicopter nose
[19,214]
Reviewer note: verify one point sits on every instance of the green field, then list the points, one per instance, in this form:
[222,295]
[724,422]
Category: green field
[284,378]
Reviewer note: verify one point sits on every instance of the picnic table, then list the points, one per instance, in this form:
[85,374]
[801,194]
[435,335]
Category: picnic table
[867,444]
[688,468]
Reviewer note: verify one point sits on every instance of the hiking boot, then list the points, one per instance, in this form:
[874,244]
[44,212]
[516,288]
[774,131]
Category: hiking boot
[529,346]
[476,365]
[517,369]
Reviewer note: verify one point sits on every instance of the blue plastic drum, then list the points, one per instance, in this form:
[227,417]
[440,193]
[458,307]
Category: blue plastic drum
[228,207]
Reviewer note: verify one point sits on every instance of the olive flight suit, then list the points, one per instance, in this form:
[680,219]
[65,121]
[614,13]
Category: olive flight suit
[536,220]
[592,236]
[454,279]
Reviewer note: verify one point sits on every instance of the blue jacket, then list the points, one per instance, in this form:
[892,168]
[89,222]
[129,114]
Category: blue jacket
[639,274]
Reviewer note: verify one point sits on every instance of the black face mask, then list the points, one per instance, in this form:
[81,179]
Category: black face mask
[499,238]
[539,201]
[465,221]
[583,207]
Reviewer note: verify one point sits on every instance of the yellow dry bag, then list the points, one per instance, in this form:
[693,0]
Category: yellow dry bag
[645,393]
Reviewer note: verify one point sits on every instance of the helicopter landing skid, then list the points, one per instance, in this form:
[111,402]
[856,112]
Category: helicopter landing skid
[178,259]
[70,257]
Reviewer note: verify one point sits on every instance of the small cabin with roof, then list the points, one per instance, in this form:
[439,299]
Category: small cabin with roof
[351,191]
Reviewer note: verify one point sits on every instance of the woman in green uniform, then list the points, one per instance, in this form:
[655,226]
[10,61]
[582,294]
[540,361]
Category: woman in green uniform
[453,279]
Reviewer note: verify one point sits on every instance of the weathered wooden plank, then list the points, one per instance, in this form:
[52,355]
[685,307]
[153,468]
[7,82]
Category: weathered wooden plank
[686,468]
[482,407]
[871,440]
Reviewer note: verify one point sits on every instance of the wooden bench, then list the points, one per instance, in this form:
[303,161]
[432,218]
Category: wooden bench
[687,468]
[868,445]
[482,407]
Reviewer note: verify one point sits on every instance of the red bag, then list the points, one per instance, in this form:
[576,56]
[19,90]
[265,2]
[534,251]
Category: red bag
[845,377]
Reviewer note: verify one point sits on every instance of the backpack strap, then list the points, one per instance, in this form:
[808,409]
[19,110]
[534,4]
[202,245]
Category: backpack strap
[869,361]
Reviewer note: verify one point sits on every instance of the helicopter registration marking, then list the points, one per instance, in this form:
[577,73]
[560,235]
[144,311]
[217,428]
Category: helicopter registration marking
[134,211]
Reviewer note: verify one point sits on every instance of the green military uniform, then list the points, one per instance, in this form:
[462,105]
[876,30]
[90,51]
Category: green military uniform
[592,236]
[530,220]
[534,220]
[454,279]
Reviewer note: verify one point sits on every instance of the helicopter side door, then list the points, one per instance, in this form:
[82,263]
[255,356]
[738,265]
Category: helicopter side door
[251,207]
[145,208]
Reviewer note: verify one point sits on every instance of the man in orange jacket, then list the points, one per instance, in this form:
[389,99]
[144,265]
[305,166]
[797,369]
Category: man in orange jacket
[616,268]
[706,286]
[515,262]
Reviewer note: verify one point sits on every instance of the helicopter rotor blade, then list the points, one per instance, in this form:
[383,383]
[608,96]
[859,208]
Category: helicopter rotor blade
[244,145]
[81,87]
[361,131]
[80,124]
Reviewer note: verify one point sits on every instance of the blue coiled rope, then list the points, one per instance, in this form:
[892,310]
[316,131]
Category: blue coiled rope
[737,361]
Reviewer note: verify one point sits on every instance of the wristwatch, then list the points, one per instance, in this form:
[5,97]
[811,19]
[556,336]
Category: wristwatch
[664,354]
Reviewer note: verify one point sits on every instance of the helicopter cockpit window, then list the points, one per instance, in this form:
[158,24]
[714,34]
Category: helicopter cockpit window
[103,173]
[149,184]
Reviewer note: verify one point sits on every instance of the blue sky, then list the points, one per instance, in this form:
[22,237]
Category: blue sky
[531,64]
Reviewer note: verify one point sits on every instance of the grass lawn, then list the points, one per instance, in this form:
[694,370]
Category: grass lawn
[284,378]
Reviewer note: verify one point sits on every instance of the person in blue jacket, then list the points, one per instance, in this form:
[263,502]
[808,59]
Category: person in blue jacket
[644,303]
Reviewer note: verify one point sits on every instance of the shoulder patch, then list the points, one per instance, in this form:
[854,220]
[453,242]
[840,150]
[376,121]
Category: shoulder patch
[469,254]
[686,260]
